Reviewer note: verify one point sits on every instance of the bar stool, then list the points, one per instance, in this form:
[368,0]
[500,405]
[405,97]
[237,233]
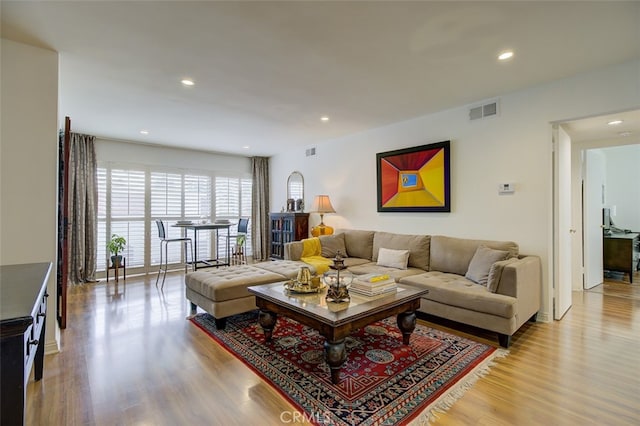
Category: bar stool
[164,240]
[238,250]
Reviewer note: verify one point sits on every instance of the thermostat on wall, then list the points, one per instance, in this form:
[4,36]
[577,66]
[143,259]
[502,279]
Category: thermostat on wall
[506,188]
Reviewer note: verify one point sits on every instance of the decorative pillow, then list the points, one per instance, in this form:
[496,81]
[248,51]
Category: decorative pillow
[495,273]
[331,244]
[481,262]
[393,258]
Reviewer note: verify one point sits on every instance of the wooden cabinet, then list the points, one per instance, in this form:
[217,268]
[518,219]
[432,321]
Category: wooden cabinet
[23,310]
[620,253]
[286,227]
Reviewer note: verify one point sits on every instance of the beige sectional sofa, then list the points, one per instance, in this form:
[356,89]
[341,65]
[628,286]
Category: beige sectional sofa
[483,283]
[505,294]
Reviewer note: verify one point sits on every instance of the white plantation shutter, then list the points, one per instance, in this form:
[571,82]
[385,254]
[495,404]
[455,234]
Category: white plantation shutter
[166,205]
[245,197]
[166,195]
[227,197]
[197,206]
[227,205]
[197,197]
[127,193]
[101,256]
[131,199]
[128,212]
[133,231]
[246,186]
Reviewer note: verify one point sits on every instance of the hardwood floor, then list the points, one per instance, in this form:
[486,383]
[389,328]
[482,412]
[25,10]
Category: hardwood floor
[129,357]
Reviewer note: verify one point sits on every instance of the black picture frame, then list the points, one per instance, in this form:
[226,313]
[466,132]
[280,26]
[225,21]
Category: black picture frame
[416,179]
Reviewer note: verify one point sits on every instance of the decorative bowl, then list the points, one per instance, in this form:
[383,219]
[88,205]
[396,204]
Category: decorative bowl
[331,279]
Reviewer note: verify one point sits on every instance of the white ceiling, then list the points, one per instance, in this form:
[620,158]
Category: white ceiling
[265,72]
[599,129]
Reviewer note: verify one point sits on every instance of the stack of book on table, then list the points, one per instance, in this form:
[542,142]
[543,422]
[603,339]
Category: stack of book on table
[373,284]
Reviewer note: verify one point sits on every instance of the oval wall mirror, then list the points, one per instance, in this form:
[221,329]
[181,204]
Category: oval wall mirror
[295,192]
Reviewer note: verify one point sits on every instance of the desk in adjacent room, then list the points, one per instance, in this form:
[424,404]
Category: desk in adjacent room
[195,227]
[620,252]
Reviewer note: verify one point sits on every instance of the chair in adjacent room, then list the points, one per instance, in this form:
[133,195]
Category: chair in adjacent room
[164,243]
[238,249]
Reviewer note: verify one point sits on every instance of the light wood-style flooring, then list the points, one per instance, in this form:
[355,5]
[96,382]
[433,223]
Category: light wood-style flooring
[130,357]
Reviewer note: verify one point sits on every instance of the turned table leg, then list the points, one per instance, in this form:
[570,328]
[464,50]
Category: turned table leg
[406,324]
[267,321]
[335,354]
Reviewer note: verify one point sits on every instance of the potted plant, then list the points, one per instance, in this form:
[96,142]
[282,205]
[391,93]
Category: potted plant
[115,246]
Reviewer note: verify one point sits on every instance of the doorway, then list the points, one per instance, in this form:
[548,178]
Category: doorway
[587,134]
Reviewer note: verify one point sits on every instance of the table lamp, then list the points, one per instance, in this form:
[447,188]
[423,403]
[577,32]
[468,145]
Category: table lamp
[322,205]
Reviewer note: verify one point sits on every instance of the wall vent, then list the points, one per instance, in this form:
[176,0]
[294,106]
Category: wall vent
[483,111]
[311,151]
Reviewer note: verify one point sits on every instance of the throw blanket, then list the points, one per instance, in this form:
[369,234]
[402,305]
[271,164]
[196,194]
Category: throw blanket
[311,254]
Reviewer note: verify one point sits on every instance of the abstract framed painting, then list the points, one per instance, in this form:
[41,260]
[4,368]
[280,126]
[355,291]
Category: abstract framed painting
[415,179]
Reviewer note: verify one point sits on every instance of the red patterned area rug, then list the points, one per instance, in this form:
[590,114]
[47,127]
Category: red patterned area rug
[382,382]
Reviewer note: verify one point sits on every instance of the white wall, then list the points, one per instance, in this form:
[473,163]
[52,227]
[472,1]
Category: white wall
[513,147]
[155,155]
[622,192]
[28,159]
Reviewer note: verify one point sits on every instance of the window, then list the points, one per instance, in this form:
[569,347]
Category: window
[233,200]
[197,200]
[166,205]
[127,212]
[131,199]
[121,210]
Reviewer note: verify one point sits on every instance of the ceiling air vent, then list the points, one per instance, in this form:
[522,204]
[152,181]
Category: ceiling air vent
[482,111]
[310,151]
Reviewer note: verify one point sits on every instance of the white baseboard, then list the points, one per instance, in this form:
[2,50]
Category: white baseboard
[543,317]
[51,347]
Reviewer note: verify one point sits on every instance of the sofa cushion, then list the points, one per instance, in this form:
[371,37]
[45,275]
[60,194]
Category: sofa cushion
[481,263]
[495,273]
[332,244]
[448,254]
[393,258]
[418,246]
[359,243]
[229,283]
[288,269]
[374,268]
[355,261]
[456,290]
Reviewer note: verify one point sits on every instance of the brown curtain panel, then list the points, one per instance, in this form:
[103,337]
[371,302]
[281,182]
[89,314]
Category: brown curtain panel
[260,208]
[82,203]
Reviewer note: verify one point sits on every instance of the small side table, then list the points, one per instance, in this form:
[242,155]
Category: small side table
[122,265]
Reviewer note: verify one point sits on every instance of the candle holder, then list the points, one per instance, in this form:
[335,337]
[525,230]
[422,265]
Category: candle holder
[338,281]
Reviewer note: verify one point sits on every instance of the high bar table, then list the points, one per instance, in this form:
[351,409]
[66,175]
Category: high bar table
[195,227]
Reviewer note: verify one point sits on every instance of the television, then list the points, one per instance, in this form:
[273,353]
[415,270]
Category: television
[606,220]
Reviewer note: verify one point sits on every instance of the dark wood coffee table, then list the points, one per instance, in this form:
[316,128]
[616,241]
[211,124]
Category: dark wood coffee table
[336,321]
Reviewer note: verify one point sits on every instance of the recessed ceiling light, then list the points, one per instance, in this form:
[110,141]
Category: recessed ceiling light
[614,122]
[624,134]
[246,147]
[324,118]
[144,132]
[505,55]
[187,82]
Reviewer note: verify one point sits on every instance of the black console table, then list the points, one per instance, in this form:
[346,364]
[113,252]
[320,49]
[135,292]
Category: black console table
[23,310]
[620,253]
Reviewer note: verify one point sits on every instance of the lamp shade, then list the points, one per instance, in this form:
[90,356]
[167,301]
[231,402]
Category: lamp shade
[322,204]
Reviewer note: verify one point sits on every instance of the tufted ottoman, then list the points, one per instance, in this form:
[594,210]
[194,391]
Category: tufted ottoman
[223,292]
